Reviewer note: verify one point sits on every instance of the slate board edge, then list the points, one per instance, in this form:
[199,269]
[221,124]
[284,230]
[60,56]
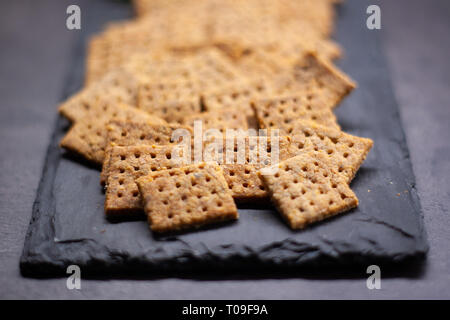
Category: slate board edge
[47,261]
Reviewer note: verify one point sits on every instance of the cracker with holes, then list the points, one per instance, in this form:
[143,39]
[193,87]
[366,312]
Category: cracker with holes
[119,86]
[284,112]
[172,101]
[305,189]
[131,162]
[220,120]
[241,158]
[92,103]
[87,136]
[236,94]
[129,133]
[316,79]
[186,197]
[239,96]
[346,152]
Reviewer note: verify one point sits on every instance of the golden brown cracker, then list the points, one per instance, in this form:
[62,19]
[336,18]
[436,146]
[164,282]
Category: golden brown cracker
[305,189]
[220,120]
[242,157]
[171,101]
[319,79]
[283,112]
[128,133]
[87,136]
[346,152]
[186,197]
[129,163]
[239,96]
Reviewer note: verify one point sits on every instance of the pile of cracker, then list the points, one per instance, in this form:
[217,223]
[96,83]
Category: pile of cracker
[228,64]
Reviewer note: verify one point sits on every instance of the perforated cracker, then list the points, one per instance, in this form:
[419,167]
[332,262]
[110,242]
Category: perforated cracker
[316,79]
[156,37]
[346,152]
[268,24]
[207,68]
[220,120]
[129,133]
[237,95]
[87,136]
[284,112]
[92,103]
[186,197]
[241,159]
[305,189]
[129,163]
[172,101]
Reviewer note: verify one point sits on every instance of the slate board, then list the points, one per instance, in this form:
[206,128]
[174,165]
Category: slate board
[68,225]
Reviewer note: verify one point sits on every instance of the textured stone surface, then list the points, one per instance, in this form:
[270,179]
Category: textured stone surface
[68,225]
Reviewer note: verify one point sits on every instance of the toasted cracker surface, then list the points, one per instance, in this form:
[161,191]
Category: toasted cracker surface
[241,158]
[186,197]
[284,112]
[87,136]
[132,133]
[220,120]
[305,189]
[346,152]
[129,163]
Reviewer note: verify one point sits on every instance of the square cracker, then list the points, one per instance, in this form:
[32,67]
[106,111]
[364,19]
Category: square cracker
[239,96]
[284,112]
[152,38]
[186,197]
[129,133]
[87,137]
[241,159]
[118,86]
[129,163]
[221,120]
[305,189]
[172,101]
[315,79]
[346,152]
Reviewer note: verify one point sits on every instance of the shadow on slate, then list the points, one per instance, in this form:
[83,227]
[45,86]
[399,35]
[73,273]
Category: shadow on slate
[68,225]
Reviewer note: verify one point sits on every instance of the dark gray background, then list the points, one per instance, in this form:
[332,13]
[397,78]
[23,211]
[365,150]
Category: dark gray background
[35,56]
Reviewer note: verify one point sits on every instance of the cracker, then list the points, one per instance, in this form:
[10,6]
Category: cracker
[305,189]
[315,79]
[262,24]
[87,136]
[118,86]
[226,118]
[125,166]
[186,197]
[157,37]
[242,160]
[171,101]
[237,95]
[284,112]
[129,133]
[346,152]
[318,83]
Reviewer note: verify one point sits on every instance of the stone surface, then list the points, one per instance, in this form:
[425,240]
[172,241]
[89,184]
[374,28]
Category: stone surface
[68,225]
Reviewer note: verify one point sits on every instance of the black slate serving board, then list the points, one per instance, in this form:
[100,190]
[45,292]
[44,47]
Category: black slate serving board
[68,225]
